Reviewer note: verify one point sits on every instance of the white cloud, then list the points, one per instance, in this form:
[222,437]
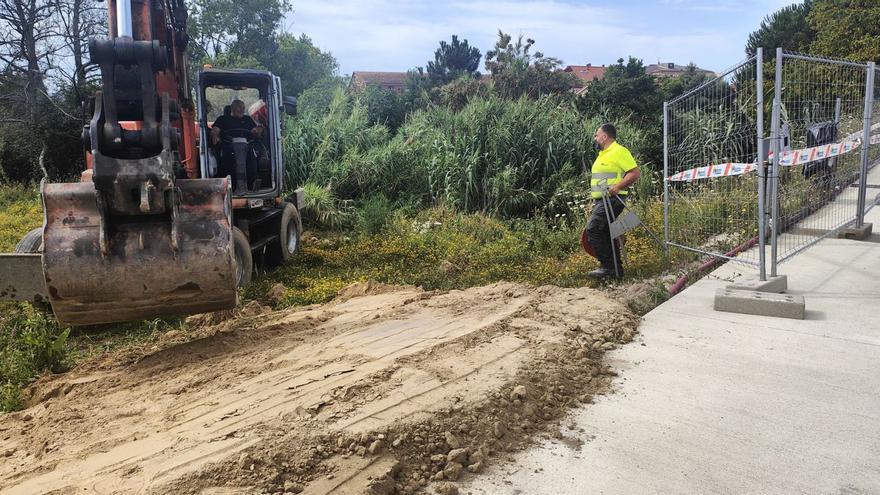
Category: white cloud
[398,35]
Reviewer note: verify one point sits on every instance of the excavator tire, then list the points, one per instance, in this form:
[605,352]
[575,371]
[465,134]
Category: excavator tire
[32,242]
[289,233]
[244,262]
[287,244]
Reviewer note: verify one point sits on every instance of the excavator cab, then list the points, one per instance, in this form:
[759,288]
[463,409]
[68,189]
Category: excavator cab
[253,162]
[266,224]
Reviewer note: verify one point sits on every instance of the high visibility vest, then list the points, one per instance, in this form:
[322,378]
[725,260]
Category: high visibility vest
[609,168]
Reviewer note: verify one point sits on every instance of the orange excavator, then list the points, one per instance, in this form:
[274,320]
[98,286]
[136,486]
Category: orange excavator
[169,218]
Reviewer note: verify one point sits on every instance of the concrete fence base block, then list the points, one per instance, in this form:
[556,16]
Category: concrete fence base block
[775,284]
[760,303]
[856,233]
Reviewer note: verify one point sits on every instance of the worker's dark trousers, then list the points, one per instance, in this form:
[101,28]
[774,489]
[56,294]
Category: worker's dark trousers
[227,166]
[599,233]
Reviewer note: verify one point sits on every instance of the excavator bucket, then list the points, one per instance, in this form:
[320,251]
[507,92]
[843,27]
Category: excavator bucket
[103,268]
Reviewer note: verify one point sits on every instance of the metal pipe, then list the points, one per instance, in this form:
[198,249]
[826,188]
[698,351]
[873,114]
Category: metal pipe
[111,19]
[866,145]
[718,255]
[832,162]
[665,178]
[775,142]
[762,172]
[835,61]
[837,104]
[123,18]
[606,202]
[679,284]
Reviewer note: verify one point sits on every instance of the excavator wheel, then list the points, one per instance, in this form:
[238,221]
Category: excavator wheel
[290,229]
[286,245]
[32,242]
[244,262]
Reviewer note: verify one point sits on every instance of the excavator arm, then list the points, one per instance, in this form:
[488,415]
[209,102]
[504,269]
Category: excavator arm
[142,236]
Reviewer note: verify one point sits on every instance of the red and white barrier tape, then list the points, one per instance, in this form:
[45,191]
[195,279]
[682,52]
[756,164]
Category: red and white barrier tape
[789,158]
[710,171]
[792,158]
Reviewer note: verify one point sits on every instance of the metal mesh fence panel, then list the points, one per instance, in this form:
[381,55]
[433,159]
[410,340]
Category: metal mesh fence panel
[821,105]
[710,182]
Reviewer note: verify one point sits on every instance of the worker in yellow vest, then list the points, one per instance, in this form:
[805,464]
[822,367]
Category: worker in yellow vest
[614,169]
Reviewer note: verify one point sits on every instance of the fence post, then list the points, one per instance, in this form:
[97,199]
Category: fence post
[762,173]
[665,176]
[775,142]
[866,146]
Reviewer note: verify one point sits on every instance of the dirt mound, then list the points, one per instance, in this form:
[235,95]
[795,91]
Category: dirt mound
[385,390]
[368,288]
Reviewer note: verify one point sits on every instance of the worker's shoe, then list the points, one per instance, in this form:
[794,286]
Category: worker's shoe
[603,272]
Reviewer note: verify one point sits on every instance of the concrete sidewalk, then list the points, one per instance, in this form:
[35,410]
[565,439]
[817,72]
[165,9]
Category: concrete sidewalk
[714,403]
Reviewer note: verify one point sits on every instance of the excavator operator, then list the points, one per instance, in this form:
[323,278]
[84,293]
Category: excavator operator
[225,129]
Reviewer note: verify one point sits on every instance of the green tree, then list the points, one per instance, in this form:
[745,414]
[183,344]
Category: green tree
[237,29]
[517,71]
[628,94]
[458,93]
[453,60]
[39,120]
[671,87]
[229,33]
[418,91]
[299,63]
[846,29]
[316,98]
[786,28]
[383,106]
[625,91]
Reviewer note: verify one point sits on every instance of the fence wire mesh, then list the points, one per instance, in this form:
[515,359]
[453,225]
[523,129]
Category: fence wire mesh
[822,102]
[715,124]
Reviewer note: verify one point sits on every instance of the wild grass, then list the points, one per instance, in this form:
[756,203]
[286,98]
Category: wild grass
[439,248]
[495,156]
[20,211]
[30,342]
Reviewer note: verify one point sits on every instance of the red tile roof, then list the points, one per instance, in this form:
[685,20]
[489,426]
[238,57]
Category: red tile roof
[587,73]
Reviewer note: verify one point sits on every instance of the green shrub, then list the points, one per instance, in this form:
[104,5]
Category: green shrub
[20,211]
[373,214]
[322,209]
[30,342]
[498,156]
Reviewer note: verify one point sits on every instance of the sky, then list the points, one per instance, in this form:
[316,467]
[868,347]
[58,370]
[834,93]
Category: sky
[397,35]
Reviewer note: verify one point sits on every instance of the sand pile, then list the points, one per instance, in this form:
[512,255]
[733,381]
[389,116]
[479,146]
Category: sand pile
[386,390]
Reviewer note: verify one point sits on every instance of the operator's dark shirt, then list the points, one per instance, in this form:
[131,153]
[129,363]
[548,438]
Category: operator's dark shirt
[227,123]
